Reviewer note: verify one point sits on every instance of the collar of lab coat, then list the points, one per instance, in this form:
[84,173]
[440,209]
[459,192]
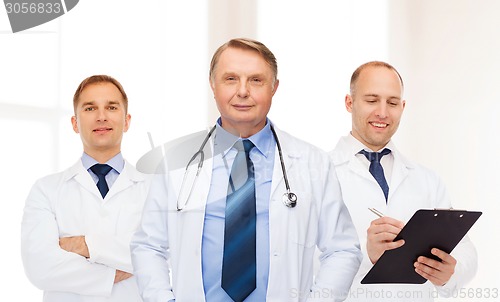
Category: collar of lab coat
[289,151]
[128,177]
[344,152]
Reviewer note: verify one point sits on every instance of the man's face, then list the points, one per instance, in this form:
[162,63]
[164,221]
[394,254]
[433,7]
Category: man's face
[101,119]
[243,86]
[376,106]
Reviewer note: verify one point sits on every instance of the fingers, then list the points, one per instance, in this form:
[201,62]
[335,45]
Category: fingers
[445,257]
[381,234]
[438,272]
[385,225]
[388,220]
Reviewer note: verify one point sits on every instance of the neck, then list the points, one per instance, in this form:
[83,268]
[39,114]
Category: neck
[374,147]
[243,130]
[102,156]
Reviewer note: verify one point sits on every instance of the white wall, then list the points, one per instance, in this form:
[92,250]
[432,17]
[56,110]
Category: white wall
[449,55]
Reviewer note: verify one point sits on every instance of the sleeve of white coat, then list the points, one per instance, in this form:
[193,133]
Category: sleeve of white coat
[150,247]
[339,245]
[48,266]
[465,252]
[110,249]
[465,270]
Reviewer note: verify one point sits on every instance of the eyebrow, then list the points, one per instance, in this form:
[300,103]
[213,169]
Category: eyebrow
[114,103]
[253,75]
[92,103]
[377,96]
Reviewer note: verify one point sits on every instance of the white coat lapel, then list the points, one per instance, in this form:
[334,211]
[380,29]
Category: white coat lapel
[345,154]
[202,186]
[127,178]
[290,155]
[200,189]
[82,176]
[400,171]
[357,167]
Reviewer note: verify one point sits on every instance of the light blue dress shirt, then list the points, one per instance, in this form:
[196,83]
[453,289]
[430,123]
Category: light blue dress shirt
[117,163]
[262,156]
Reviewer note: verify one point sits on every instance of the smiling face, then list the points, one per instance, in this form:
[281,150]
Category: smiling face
[101,119]
[376,106]
[243,85]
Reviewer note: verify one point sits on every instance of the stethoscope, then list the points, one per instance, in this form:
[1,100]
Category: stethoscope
[289,198]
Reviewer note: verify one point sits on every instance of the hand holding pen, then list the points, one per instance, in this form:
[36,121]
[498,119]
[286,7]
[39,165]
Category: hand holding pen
[380,235]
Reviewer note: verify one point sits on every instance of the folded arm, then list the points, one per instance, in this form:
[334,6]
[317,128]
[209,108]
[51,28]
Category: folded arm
[77,245]
[47,265]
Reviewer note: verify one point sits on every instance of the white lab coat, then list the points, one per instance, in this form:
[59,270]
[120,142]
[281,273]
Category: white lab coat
[411,187]
[69,204]
[320,218]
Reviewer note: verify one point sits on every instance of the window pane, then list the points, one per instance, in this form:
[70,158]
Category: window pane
[29,68]
[27,155]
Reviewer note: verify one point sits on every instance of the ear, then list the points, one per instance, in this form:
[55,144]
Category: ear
[348,103]
[276,84]
[75,124]
[404,104]
[128,117]
[212,84]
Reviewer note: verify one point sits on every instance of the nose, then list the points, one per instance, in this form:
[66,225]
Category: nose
[243,91]
[101,115]
[382,110]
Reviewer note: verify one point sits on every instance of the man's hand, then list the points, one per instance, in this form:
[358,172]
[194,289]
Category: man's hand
[121,275]
[75,244]
[381,234]
[437,272]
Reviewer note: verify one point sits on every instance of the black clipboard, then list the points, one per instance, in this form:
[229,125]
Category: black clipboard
[426,229]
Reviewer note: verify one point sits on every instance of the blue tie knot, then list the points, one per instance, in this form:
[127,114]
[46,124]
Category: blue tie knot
[375,156]
[248,145]
[100,169]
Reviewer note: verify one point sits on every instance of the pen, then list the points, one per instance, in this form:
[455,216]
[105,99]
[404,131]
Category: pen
[376,212]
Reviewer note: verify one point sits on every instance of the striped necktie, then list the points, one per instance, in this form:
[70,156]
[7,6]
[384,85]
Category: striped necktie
[239,266]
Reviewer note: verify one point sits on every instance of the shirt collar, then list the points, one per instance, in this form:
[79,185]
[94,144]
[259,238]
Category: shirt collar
[262,140]
[117,162]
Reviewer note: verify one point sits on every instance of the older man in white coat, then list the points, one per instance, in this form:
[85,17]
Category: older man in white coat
[376,104]
[191,226]
[77,224]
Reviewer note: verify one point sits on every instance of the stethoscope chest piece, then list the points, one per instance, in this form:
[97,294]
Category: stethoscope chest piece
[290,199]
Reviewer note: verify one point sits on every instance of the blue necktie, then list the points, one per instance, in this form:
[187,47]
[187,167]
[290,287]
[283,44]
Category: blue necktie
[376,168]
[239,266]
[101,170]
